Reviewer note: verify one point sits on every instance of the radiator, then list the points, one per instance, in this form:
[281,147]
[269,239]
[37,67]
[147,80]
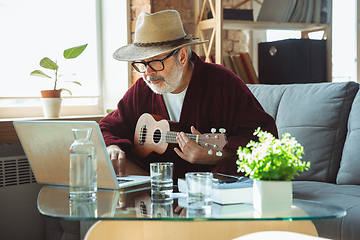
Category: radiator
[19,216]
[15,170]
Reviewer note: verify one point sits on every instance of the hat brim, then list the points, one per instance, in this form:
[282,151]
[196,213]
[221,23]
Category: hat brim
[132,52]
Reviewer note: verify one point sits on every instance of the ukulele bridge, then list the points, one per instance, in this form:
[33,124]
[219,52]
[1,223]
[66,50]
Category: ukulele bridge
[142,136]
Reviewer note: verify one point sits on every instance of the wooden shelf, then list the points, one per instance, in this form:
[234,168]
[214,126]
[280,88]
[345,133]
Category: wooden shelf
[253,25]
[217,24]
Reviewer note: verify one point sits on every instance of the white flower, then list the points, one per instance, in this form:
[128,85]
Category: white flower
[255,160]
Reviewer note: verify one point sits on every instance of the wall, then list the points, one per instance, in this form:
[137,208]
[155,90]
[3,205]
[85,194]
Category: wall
[136,7]
[234,42]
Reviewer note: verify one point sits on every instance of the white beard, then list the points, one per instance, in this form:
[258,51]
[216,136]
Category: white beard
[169,84]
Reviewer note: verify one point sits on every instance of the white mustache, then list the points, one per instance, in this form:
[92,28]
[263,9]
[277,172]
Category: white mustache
[154,78]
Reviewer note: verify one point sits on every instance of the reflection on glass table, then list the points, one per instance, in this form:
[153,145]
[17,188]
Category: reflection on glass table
[140,204]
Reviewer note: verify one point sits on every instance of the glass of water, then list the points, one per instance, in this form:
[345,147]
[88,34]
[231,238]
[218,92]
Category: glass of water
[199,186]
[161,174]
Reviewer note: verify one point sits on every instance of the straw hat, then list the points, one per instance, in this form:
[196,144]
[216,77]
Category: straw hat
[155,34]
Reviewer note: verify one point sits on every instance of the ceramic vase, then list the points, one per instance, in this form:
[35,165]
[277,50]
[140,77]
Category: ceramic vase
[51,103]
[272,196]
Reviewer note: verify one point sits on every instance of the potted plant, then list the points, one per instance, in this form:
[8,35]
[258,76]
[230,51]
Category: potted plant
[51,99]
[272,164]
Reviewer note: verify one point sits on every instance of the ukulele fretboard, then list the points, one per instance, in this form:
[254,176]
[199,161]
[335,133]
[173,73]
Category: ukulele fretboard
[170,137]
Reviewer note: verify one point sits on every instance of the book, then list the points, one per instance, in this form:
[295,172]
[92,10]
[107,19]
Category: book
[310,11]
[232,210]
[236,68]
[274,10]
[304,11]
[240,68]
[241,210]
[232,193]
[228,63]
[227,193]
[249,67]
[235,14]
[295,17]
[317,11]
[290,10]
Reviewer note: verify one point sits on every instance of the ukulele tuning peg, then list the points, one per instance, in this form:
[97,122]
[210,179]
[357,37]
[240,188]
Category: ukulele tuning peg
[222,130]
[219,154]
[213,130]
[210,152]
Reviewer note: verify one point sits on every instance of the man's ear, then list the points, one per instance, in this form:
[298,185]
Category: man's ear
[183,55]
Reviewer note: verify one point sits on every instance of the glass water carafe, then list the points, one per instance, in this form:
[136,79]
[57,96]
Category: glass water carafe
[83,166]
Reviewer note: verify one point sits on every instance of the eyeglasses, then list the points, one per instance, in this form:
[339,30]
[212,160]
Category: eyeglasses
[156,65]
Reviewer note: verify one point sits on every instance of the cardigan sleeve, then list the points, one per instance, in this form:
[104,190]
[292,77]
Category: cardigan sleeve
[118,127]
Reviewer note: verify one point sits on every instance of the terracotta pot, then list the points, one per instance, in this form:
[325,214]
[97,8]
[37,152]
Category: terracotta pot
[50,93]
[51,103]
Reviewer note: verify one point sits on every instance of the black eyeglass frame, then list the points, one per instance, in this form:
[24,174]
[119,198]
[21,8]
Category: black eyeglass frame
[148,63]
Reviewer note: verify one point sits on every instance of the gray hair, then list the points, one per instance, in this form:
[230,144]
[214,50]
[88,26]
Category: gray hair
[189,53]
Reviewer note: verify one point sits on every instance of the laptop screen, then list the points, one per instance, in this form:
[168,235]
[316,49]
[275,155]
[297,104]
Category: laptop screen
[47,147]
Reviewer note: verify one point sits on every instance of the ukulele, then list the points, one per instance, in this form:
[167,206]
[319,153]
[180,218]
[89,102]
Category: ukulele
[154,134]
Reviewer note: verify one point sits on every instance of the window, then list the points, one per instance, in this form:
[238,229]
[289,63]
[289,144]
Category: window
[35,29]
[344,41]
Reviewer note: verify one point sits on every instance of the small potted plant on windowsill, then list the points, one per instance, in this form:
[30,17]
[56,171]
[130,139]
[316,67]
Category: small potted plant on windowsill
[272,164]
[51,99]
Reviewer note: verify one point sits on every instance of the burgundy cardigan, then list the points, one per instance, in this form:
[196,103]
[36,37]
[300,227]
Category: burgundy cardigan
[215,98]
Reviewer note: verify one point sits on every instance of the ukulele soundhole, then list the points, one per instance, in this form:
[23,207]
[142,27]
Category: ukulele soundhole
[157,136]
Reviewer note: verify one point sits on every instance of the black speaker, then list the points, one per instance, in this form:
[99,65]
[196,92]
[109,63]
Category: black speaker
[292,61]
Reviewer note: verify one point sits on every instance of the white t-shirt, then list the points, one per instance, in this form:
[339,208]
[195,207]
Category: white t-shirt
[174,104]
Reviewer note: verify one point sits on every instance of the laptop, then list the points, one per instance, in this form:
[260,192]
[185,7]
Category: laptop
[47,147]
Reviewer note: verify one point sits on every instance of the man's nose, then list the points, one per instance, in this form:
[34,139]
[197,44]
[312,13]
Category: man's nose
[149,70]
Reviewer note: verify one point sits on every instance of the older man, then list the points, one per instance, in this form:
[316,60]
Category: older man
[177,85]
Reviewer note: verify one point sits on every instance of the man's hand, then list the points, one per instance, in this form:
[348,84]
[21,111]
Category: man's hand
[196,154]
[118,159]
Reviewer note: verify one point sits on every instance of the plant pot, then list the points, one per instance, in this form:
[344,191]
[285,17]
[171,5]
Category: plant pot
[272,196]
[51,103]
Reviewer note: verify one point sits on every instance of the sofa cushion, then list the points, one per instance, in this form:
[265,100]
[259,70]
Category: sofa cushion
[349,172]
[269,96]
[345,196]
[316,115]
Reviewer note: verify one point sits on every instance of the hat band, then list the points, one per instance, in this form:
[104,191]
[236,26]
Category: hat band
[172,42]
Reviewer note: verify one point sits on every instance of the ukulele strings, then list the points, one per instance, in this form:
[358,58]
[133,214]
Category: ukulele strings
[170,137]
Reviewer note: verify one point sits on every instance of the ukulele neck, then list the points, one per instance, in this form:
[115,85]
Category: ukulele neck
[171,137]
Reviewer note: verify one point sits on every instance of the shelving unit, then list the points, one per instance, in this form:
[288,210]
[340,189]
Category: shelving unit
[218,24]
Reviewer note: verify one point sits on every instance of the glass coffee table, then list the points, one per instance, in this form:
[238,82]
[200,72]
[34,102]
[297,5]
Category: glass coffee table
[135,207]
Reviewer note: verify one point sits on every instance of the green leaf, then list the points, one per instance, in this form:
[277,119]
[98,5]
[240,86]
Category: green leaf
[74,51]
[39,73]
[64,89]
[75,82]
[60,75]
[109,110]
[48,63]
[273,159]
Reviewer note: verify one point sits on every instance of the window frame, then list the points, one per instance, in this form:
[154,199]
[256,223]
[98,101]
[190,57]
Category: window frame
[105,99]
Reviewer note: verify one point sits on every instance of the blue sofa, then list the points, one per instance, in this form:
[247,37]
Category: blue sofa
[325,119]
